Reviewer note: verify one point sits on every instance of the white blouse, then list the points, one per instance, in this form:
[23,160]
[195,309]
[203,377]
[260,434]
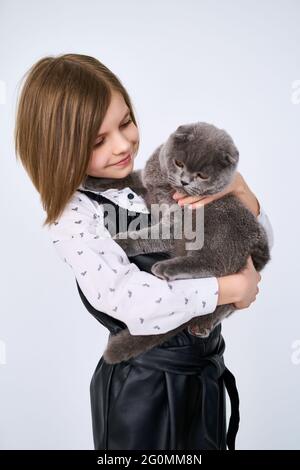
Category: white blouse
[145,303]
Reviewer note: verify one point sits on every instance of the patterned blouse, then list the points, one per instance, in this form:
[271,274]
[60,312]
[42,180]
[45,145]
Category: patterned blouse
[112,284]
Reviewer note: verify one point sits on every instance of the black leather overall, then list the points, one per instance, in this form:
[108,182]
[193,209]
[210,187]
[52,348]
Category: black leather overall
[171,397]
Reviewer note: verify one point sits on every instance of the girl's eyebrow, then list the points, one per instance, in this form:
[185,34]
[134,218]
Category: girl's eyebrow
[104,133]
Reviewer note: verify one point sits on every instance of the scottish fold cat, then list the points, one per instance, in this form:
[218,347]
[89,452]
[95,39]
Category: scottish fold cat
[196,159]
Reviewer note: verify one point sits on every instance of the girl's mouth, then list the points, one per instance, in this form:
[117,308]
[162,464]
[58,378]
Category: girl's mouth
[124,162]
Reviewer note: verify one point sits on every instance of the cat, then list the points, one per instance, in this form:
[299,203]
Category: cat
[197,159]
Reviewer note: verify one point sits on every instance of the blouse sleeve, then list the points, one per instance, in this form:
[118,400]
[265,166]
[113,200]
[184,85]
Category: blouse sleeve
[264,220]
[112,284]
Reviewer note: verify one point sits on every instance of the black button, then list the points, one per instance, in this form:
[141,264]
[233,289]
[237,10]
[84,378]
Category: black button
[130,196]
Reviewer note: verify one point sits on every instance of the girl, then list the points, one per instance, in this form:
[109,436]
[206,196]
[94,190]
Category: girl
[74,119]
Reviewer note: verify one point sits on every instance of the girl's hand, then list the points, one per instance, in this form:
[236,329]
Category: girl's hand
[238,187]
[248,278]
[241,288]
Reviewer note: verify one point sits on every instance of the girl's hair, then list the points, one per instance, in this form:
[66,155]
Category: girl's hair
[60,110]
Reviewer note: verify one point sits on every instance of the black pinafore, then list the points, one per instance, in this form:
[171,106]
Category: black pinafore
[171,397]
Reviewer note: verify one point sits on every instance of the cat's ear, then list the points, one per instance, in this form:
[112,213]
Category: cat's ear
[231,157]
[180,137]
[182,134]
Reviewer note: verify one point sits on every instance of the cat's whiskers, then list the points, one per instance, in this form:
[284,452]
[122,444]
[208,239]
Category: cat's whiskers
[194,192]
[173,180]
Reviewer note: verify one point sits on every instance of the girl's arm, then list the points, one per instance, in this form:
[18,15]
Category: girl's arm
[248,198]
[144,302]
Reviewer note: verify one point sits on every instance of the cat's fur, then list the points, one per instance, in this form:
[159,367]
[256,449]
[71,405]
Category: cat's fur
[231,231]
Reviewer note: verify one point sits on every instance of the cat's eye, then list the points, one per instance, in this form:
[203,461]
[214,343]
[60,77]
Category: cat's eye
[202,176]
[179,163]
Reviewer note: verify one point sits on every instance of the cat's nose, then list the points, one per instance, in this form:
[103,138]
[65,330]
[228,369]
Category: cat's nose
[184,183]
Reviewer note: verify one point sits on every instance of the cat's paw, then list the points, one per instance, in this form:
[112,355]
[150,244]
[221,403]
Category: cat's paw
[203,332]
[120,236]
[164,270]
[134,235]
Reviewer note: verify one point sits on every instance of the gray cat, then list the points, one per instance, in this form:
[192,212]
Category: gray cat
[196,159]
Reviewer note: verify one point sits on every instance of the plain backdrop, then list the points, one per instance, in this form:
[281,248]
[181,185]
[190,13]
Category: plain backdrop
[231,63]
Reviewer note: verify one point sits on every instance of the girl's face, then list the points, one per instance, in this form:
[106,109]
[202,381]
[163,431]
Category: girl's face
[117,137]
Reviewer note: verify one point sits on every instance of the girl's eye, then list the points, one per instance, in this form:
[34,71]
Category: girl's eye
[123,125]
[126,123]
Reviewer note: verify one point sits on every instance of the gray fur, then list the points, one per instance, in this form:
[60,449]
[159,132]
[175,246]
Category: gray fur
[231,231]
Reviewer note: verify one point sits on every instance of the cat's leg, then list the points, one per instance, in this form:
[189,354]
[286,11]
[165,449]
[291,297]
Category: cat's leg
[204,324]
[158,237]
[151,239]
[188,267]
[141,246]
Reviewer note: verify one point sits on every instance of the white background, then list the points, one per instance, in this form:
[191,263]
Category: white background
[231,63]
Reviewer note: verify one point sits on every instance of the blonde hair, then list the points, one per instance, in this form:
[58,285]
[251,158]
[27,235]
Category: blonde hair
[60,110]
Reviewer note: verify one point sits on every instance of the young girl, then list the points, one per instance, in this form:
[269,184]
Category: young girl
[75,119]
